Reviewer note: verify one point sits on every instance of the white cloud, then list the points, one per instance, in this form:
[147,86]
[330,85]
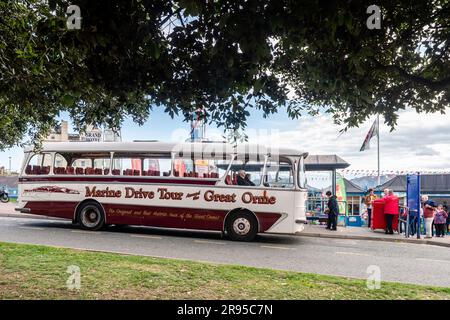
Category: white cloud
[419,142]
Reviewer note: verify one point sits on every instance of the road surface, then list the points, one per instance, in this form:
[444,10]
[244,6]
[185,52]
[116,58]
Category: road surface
[400,262]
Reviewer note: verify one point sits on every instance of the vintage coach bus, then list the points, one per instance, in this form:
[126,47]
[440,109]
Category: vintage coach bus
[171,185]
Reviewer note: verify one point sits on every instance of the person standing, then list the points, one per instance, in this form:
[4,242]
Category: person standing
[447,224]
[368,200]
[412,223]
[390,210]
[428,215]
[440,221]
[333,211]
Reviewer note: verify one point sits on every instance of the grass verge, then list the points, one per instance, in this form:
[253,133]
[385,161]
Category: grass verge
[40,272]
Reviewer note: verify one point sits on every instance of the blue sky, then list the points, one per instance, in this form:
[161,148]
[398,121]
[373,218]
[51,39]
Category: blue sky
[420,141]
[160,126]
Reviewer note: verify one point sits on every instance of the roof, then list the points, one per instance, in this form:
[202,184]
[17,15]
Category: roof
[196,148]
[351,187]
[429,183]
[325,162]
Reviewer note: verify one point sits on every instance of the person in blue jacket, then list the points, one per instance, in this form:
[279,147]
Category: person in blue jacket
[333,211]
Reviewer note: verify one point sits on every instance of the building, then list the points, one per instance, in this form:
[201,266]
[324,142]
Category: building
[436,186]
[355,198]
[92,134]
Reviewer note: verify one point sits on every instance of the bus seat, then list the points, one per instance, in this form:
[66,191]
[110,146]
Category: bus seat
[28,169]
[79,170]
[176,173]
[166,174]
[70,170]
[98,171]
[206,175]
[36,170]
[128,172]
[106,172]
[116,172]
[214,175]
[234,179]
[89,171]
[59,170]
[228,180]
[136,172]
[45,170]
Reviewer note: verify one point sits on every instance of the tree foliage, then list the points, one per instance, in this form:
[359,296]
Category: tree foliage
[226,57]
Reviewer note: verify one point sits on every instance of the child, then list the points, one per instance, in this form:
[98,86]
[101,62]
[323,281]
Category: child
[440,221]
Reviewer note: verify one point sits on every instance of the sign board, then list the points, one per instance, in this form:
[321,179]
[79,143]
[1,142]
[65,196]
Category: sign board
[413,196]
[341,195]
[93,136]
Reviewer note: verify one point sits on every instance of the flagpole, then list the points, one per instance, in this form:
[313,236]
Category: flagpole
[378,148]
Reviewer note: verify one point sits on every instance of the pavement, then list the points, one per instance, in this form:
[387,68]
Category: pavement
[364,233]
[398,261]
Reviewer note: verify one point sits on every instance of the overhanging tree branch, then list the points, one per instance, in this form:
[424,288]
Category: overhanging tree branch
[433,85]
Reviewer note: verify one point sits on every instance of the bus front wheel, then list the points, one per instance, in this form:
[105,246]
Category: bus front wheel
[91,216]
[241,226]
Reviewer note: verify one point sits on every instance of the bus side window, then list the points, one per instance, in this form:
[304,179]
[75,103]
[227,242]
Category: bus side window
[60,165]
[157,167]
[279,175]
[39,164]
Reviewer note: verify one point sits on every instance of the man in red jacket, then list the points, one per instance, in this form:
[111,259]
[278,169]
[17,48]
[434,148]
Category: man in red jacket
[390,209]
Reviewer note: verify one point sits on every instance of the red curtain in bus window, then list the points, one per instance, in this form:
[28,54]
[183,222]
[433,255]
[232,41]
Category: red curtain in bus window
[136,164]
[180,166]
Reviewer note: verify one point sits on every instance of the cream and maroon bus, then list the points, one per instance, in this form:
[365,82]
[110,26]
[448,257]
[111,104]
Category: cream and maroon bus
[196,185]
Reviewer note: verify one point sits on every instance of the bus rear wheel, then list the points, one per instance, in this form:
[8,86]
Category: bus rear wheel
[91,216]
[241,226]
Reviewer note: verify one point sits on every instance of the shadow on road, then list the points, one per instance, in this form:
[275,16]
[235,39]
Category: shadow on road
[179,233]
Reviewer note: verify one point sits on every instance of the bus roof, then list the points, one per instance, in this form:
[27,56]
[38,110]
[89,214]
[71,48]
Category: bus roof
[212,148]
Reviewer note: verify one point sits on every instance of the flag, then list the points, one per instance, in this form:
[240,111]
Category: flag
[372,133]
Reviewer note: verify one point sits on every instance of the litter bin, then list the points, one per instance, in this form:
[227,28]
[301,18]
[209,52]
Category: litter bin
[378,219]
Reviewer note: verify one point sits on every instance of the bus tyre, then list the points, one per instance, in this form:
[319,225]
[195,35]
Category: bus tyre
[241,226]
[91,216]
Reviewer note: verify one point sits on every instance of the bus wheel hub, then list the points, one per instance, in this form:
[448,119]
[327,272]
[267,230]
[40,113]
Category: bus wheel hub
[241,226]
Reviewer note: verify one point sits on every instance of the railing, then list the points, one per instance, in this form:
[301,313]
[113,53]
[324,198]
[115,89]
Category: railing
[317,205]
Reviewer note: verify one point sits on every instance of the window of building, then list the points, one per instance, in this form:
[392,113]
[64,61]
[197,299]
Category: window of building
[354,205]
